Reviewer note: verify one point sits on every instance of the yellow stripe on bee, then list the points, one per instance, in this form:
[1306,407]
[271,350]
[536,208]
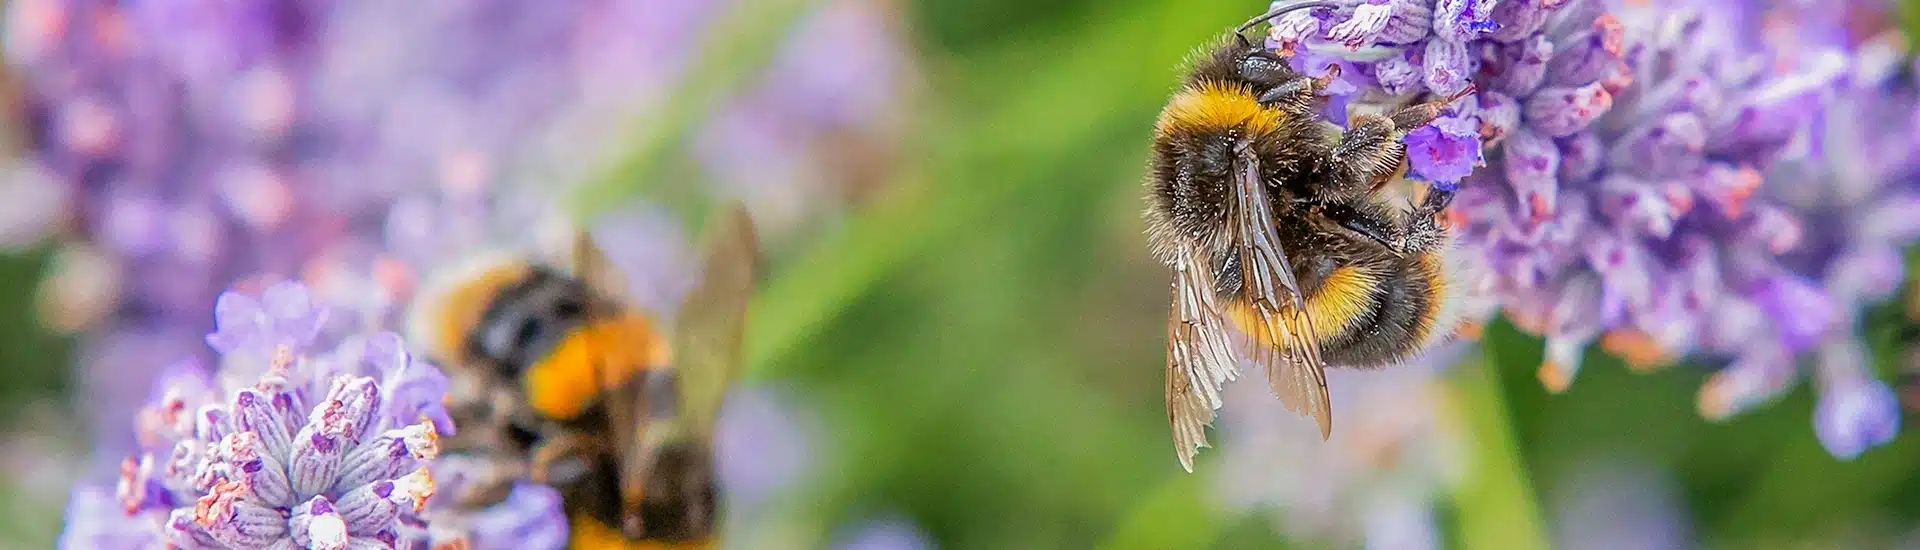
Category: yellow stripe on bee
[593,358]
[1216,106]
[588,534]
[1437,293]
[1343,297]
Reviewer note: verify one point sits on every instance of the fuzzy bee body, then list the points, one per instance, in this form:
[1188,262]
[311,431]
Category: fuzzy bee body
[1273,223]
[557,377]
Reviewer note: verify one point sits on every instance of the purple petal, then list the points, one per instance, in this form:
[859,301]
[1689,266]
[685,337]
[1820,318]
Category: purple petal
[1399,74]
[1461,21]
[1727,188]
[1891,219]
[1856,415]
[1447,66]
[238,321]
[1637,206]
[1522,66]
[531,518]
[1856,412]
[1531,164]
[1625,267]
[1444,152]
[1563,111]
[1778,230]
[1587,57]
[294,314]
[1364,26]
[1758,376]
[1580,156]
[1668,148]
[1498,116]
[1517,20]
[1865,274]
[1801,312]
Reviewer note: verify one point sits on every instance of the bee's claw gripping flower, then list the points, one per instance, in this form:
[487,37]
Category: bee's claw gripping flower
[304,452]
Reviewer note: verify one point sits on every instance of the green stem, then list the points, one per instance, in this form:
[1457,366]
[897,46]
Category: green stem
[1495,503]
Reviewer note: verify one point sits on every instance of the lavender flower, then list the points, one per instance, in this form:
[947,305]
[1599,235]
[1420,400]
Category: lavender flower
[531,517]
[1624,202]
[200,144]
[1856,194]
[286,448]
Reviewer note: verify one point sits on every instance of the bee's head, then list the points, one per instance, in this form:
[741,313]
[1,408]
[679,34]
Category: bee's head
[527,319]
[1254,62]
[1263,67]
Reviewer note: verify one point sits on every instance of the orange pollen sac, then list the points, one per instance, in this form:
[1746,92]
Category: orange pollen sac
[1639,350]
[593,358]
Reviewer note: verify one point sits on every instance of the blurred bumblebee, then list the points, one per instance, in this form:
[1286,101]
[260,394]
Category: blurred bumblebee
[1275,223]
[558,378]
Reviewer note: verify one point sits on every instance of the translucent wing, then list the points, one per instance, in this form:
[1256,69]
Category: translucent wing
[1272,304]
[712,319]
[1199,359]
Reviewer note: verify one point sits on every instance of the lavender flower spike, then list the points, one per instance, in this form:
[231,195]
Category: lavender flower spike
[304,451]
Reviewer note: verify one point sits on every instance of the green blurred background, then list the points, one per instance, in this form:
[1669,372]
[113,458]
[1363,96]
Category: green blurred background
[985,338]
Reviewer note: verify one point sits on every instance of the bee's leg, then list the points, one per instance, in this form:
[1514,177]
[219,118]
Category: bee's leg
[492,485]
[1371,227]
[551,457]
[1371,152]
[1301,96]
[1425,234]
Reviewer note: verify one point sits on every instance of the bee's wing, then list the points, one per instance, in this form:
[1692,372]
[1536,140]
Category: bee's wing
[1281,325]
[591,265]
[712,319]
[1199,360]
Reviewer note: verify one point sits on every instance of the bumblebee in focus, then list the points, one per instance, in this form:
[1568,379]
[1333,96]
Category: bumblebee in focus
[558,378]
[1275,224]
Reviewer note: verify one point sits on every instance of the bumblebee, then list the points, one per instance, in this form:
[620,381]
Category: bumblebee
[558,378]
[1275,224]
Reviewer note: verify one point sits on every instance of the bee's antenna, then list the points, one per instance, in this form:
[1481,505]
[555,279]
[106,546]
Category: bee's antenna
[1279,11]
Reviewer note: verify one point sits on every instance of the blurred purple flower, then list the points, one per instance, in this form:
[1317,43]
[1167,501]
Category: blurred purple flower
[1375,482]
[531,517]
[1618,503]
[764,443]
[200,143]
[293,450]
[886,534]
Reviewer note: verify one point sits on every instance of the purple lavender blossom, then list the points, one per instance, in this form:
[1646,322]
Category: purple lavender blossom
[284,449]
[531,517]
[1856,192]
[202,143]
[1625,202]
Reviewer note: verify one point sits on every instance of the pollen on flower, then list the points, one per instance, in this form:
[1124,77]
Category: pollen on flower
[1555,377]
[416,487]
[217,505]
[282,358]
[1637,348]
[422,440]
[328,531]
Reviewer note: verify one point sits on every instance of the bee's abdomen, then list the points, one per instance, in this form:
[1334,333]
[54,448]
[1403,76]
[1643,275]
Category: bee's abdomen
[1396,322]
